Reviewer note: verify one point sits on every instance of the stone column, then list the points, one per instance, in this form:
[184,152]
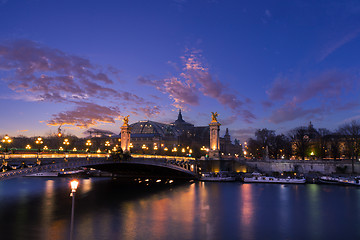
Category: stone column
[125,135]
[214,151]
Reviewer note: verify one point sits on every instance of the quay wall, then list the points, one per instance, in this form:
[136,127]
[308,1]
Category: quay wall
[308,166]
[323,167]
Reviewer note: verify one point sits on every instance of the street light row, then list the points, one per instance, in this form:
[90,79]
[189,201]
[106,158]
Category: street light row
[39,141]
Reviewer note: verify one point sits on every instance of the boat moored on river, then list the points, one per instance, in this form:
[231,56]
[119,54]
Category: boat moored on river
[219,177]
[258,178]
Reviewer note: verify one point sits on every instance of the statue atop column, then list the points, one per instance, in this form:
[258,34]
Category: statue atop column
[126,120]
[214,151]
[214,116]
[125,135]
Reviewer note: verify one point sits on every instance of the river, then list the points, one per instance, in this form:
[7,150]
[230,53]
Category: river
[37,208]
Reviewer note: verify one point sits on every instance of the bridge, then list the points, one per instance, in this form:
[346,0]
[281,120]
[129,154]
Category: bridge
[138,166]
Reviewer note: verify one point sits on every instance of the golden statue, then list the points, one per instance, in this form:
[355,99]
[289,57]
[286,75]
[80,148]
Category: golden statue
[214,116]
[126,120]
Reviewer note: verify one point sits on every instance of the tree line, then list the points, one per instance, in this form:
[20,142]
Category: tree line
[306,142]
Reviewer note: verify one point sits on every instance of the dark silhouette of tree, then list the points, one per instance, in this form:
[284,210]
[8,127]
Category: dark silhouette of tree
[280,146]
[351,133]
[301,140]
[254,148]
[321,142]
[334,142]
[264,138]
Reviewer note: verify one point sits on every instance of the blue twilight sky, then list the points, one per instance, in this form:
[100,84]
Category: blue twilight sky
[84,63]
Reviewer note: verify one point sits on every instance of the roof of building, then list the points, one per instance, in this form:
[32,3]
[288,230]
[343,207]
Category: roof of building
[180,121]
[156,128]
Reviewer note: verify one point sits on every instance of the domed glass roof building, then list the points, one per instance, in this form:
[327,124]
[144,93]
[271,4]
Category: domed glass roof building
[153,129]
[177,138]
[145,135]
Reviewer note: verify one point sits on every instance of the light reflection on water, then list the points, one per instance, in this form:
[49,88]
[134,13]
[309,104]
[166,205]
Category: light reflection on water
[34,208]
[246,211]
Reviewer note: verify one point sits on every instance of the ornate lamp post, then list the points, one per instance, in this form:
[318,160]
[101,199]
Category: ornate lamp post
[66,143]
[38,142]
[107,144]
[88,144]
[73,184]
[6,140]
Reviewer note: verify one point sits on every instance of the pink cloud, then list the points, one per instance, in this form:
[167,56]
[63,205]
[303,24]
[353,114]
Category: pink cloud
[329,87]
[149,111]
[52,75]
[39,73]
[180,91]
[195,79]
[86,115]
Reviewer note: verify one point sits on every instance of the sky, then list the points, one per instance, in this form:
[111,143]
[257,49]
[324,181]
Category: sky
[259,64]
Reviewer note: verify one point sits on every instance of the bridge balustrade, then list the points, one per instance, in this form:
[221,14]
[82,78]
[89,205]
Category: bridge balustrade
[60,161]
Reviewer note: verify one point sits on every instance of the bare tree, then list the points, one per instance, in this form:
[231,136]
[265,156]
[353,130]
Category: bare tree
[321,142]
[351,133]
[334,141]
[301,141]
[280,145]
[265,138]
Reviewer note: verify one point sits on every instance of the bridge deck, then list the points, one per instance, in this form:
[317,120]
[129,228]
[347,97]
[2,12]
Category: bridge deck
[134,167]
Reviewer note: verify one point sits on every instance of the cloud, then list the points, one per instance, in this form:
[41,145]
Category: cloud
[267,104]
[347,106]
[229,120]
[281,88]
[50,74]
[24,130]
[150,111]
[243,134]
[329,87]
[291,112]
[195,80]
[86,115]
[181,92]
[197,74]
[333,46]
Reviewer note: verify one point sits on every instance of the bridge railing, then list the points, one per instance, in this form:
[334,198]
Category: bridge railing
[72,161]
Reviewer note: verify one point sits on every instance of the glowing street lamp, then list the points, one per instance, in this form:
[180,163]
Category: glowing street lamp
[38,142]
[74,185]
[66,143]
[88,144]
[6,140]
[28,147]
[107,144]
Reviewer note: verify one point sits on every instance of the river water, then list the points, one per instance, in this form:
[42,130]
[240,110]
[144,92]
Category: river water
[37,208]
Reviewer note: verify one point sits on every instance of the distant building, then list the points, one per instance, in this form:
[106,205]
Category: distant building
[177,138]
